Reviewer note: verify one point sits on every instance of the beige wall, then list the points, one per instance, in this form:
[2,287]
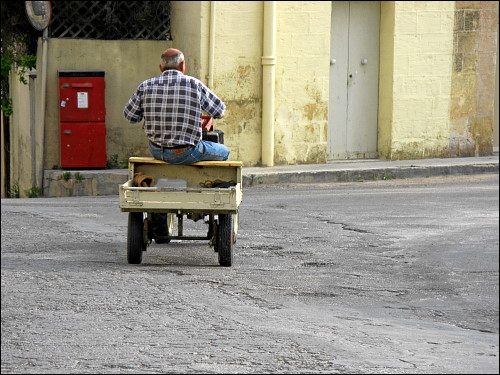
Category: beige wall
[425,103]
[473,80]
[496,122]
[126,65]
[302,81]
[302,74]
[237,76]
[416,57]
[437,78]
[386,78]
[302,68]
[22,173]
[189,26]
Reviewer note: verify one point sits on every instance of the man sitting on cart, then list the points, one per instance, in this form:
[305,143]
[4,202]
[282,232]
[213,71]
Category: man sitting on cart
[171,106]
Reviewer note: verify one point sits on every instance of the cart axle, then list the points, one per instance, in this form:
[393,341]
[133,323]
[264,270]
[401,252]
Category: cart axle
[194,238]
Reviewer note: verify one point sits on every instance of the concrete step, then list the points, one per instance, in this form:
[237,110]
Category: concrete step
[60,183]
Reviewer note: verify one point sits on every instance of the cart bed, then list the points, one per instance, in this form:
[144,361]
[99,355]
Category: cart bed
[199,194]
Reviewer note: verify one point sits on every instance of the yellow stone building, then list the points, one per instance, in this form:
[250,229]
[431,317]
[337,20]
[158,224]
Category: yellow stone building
[304,82]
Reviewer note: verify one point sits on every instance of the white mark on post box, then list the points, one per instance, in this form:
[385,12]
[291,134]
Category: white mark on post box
[83,99]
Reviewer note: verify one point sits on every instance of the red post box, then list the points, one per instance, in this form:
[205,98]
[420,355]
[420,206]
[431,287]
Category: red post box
[82,116]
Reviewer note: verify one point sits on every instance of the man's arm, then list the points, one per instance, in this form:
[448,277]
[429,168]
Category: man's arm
[133,110]
[211,104]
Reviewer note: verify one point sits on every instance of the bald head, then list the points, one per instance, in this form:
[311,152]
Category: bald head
[172,59]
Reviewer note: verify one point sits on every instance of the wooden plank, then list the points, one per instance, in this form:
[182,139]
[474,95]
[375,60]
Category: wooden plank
[150,160]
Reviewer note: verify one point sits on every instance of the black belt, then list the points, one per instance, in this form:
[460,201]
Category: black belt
[170,148]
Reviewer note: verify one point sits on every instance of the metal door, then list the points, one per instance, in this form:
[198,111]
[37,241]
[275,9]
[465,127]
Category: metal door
[354,73]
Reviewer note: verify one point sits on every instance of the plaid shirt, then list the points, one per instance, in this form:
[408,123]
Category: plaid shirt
[171,106]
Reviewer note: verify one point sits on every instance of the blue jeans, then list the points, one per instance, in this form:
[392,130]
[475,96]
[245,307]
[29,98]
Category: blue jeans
[204,151]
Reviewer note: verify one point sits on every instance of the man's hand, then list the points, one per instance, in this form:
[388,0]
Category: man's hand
[207,122]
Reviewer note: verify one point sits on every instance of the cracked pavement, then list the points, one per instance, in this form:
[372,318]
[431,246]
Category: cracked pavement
[397,276]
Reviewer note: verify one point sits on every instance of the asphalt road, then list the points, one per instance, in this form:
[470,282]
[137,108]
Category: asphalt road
[396,276]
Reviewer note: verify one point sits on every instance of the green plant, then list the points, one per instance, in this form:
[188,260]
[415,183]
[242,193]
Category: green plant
[386,176]
[78,177]
[33,192]
[66,176]
[14,191]
[112,162]
[19,42]
[24,63]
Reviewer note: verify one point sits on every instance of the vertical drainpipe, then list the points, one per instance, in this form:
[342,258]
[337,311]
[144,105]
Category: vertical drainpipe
[45,37]
[211,46]
[32,93]
[268,68]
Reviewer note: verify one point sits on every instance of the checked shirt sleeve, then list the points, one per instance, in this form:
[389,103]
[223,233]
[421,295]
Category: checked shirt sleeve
[210,103]
[133,110]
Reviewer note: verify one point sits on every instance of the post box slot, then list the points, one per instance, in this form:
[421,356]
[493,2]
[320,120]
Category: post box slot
[83,84]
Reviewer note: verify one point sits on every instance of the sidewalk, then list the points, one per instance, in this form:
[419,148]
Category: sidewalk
[106,181]
[369,169]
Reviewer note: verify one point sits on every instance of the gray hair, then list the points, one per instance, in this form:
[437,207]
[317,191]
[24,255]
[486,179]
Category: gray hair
[172,62]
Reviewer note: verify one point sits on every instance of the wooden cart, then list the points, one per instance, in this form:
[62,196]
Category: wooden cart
[210,191]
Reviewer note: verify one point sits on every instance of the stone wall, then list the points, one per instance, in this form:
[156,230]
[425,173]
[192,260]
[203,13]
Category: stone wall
[473,79]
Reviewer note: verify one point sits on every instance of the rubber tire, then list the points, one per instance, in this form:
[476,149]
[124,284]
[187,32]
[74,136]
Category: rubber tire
[135,237]
[225,240]
[162,224]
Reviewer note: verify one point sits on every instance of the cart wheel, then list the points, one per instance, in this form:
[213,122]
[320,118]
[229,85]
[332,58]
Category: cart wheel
[235,228]
[212,229]
[162,225]
[225,240]
[135,237]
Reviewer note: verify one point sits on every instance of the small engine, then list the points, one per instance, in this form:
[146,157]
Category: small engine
[208,132]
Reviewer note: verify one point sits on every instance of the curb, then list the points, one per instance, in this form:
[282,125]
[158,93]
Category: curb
[97,182]
[372,174]
[93,183]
